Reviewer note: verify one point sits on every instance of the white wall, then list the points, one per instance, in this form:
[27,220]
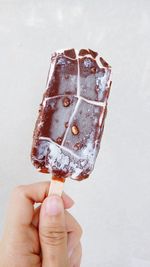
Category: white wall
[113,206]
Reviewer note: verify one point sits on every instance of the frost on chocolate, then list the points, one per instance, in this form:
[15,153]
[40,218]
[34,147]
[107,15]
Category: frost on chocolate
[71,119]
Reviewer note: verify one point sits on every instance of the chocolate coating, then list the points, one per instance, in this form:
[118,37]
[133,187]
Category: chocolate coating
[70,124]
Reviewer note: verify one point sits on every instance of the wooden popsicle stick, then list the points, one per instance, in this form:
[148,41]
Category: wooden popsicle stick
[56,186]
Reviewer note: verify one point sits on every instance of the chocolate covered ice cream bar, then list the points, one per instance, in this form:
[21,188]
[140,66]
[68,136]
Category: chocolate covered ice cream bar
[70,124]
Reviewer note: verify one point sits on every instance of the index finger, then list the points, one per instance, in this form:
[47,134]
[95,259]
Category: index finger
[21,207]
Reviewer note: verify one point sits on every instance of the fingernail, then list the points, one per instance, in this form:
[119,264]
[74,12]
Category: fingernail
[53,205]
[71,200]
[68,198]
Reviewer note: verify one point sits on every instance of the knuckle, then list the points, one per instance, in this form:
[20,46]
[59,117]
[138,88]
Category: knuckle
[53,236]
[79,230]
[19,190]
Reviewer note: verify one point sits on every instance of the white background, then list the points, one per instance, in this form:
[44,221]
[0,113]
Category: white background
[113,205]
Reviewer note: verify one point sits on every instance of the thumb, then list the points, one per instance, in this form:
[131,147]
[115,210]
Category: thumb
[53,233]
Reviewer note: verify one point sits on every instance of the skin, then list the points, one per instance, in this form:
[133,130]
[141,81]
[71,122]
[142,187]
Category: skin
[45,236]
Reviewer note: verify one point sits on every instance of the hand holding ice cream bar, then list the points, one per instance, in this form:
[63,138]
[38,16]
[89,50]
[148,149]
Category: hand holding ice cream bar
[71,118]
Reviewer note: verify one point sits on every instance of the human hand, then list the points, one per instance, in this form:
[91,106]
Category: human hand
[47,236]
